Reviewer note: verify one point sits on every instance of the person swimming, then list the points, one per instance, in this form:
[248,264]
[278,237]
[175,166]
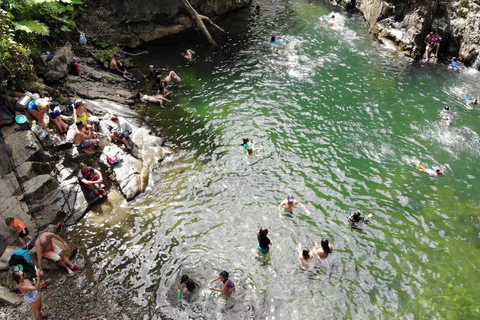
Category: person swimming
[357,221]
[190,285]
[289,204]
[333,22]
[305,256]
[431,172]
[263,241]
[248,144]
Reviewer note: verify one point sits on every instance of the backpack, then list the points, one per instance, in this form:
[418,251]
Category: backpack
[75,68]
[82,39]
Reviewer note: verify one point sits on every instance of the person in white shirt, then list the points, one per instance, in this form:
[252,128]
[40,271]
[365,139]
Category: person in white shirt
[123,131]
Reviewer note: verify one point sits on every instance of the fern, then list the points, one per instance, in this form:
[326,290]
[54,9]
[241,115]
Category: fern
[32,26]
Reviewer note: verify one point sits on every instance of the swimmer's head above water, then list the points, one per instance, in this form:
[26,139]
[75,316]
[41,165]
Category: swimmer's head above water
[290,199]
[306,253]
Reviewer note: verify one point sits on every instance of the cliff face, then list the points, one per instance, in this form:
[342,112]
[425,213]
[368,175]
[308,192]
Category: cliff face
[406,23]
[133,22]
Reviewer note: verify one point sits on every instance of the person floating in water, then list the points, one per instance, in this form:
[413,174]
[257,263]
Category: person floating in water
[469,101]
[333,22]
[228,285]
[259,10]
[324,249]
[190,285]
[455,65]
[263,241]
[289,204]
[431,172]
[357,221]
[248,144]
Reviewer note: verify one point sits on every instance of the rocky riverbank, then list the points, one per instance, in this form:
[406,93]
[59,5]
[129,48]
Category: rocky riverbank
[406,24]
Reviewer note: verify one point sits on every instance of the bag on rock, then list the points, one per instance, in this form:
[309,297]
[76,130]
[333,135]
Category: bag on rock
[82,39]
[75,68]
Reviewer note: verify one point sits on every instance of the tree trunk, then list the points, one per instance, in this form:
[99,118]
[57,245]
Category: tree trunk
[199,20]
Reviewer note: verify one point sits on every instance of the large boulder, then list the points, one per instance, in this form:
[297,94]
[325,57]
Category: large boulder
[58,68]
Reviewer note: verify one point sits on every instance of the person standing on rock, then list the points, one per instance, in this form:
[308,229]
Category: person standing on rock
[117,67]
[84,138]
[20,226]
[429,43]
[30,293]
[45,247]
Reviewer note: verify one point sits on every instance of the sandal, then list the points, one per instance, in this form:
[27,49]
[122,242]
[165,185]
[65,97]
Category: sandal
[75,267]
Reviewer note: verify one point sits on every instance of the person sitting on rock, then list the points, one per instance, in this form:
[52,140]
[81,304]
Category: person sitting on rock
[429,47]
[172,79]
[122,132]
[45,247]
[436,39]
[157,98]
[80,112]
[91,178]
[188,55]
[84,138]
[38,108]
[117,67]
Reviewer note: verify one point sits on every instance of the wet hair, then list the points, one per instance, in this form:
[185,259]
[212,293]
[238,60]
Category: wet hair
[190,284]
[332,17]
[16,276]
[9,221]
[139,96]
[246,140]
[184,278]
[447,108]
[262,234]
[224,274]
[306,253]
[325,246]
[272,39]
[257,8]
[438,170]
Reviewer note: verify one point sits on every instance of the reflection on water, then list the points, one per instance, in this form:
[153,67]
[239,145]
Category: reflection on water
[341,123]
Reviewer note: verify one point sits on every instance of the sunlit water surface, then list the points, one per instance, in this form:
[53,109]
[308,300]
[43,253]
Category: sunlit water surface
[341,122]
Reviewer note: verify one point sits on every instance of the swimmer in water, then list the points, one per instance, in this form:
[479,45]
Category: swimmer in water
[289,204]
[446,116]
[431,172]
[357,221]
[469,101]
[248,144]
[333,22]
[228,285]
[324,249]
[274,43]
[188,55]
[305,256]
[259,10]
[263,241]
[455,65]
[190,285]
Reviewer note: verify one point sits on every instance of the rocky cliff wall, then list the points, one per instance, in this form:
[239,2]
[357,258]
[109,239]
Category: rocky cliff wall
[133,22]
[406,23]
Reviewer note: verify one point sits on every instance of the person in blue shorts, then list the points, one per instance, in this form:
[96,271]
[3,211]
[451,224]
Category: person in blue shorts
[455,65]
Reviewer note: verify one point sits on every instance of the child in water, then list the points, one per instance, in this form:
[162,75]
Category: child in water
[190,285]
[228,285]
[358,221]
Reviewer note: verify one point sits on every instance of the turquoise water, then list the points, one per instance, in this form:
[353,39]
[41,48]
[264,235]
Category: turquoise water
[341,122]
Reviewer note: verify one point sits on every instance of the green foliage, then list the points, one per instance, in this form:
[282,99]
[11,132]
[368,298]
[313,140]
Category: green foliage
[15,63]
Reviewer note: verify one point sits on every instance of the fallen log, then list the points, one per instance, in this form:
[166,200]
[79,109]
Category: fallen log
[199,20]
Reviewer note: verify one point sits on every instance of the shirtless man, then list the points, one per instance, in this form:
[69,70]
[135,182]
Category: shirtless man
[428,42]
[84,138]
[188,54]
[117,67]
[172,78]
[431,172]
[289,204]
[45,247]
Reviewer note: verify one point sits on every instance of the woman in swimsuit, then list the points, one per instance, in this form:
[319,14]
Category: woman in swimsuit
[305,256]
[30,293]
[228,285]
[38,108]
[431,172]
[263,241]
[80,112]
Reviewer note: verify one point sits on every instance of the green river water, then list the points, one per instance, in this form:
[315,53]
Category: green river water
[341,122]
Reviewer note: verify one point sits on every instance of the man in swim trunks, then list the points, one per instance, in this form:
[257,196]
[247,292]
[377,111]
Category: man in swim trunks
[289,204]
[431,172]
[117,67]
[45,247]
[154,74]
[428,42]
[84,138]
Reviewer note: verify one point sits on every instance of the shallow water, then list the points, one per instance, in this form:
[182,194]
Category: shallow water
[341,122]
